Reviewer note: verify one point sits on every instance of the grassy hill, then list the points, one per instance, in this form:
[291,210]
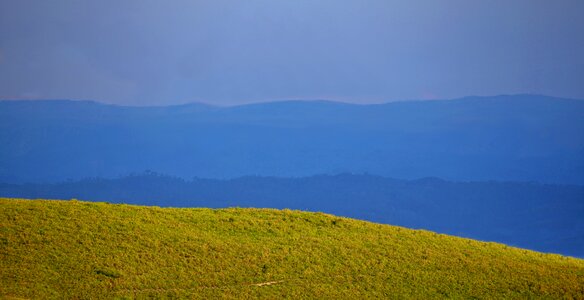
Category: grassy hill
[535,216]
[72,249]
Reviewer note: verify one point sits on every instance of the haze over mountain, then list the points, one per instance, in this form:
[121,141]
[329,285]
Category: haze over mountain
[234,52]
[520,138]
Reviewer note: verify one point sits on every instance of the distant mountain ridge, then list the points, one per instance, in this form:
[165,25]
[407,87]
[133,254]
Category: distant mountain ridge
[536,216]
[519,138]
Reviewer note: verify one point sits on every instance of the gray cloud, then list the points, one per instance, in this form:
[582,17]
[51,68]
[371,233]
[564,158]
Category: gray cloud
[228,52]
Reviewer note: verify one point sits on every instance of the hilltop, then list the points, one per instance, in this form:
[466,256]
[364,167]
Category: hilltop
[73,249]
[539,217]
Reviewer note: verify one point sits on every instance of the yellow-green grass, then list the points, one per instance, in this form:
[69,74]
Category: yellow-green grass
[73,249]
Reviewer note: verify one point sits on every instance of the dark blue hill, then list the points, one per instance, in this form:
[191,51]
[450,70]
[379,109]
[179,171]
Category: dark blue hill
[521,138]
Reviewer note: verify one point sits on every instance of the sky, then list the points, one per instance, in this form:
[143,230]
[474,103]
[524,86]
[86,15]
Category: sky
[222,52]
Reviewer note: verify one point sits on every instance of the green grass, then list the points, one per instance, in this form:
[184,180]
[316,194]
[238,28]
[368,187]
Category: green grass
[73,249]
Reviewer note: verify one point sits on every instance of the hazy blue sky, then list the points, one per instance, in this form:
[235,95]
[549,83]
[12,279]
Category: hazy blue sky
[147,52]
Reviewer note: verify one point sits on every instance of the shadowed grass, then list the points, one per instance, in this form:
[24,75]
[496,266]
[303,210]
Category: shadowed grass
[72,249]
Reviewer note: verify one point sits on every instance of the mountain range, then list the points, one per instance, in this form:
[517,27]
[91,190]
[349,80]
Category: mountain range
[518,138]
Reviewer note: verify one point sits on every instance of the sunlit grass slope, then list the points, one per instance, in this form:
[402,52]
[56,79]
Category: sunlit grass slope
[72,249]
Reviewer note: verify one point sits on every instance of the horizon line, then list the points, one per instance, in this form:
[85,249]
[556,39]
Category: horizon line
[283,100]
